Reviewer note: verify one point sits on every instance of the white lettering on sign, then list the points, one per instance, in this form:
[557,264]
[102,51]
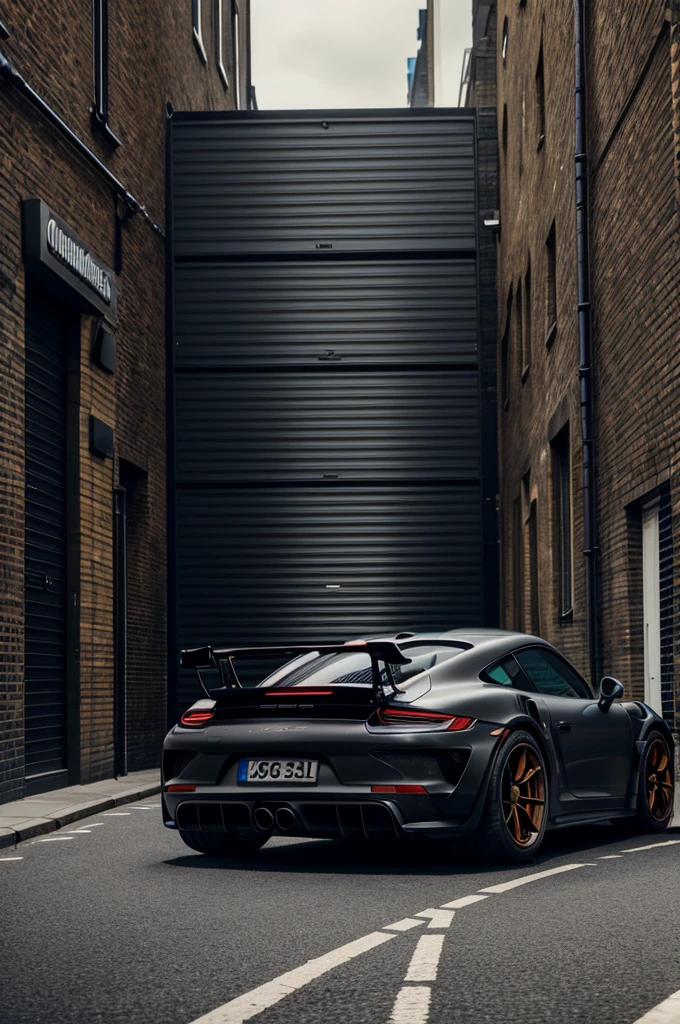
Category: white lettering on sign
[78,260]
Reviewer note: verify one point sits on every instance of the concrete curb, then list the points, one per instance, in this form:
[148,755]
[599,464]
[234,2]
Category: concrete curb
[27,828]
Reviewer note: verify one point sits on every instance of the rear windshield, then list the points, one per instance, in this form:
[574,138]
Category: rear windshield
[354,668]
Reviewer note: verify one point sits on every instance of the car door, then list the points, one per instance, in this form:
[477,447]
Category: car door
[596,747]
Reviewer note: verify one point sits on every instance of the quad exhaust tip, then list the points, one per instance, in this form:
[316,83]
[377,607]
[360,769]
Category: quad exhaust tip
[285,819]
[264,819]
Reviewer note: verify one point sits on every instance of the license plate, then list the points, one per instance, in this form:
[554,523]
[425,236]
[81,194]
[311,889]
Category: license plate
[277,770]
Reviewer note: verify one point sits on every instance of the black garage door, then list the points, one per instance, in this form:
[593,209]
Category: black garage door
[326,378]
[45,542]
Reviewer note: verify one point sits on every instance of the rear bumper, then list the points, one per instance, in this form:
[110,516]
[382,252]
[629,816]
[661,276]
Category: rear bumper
[317,816]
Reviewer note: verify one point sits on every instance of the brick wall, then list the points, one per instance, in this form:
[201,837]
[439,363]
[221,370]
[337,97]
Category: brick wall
[634,256]
[153,61]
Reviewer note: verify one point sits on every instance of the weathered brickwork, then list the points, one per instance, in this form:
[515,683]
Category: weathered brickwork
[636,309]
[153,61]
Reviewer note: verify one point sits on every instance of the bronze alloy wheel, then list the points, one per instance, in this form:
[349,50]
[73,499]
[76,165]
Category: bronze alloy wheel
[659,780]
[523,794]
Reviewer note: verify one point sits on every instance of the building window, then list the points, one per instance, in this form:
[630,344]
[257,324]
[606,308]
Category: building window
[100,33]
[517,565]
[540,100]
[505,355]
[518,328]
[504,41]
[504,130]
[532,525]
[561,452]
[550,287]
[219,42]
[197,21]
[236,44]
[526,336]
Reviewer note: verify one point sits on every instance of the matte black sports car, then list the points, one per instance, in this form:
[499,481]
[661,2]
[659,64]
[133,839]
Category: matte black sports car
[483,734]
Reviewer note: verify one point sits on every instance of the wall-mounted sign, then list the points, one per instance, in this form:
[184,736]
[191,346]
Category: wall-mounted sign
[55,254]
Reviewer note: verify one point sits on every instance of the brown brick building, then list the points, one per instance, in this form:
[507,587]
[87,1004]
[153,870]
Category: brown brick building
[85,90]
[553,344]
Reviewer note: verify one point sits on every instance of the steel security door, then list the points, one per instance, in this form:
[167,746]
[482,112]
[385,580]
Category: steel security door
[45,542]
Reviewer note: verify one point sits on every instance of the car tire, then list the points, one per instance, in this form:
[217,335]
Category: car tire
[515,812]
[656,788]
[220,844]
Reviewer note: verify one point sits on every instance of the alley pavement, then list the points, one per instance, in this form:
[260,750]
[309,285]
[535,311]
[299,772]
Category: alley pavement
[115,920]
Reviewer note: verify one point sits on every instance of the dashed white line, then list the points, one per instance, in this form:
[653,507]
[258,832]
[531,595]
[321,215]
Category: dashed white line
[611,856]
[439,918]
[464,901]
[506,886]
[652,846]
[53,839]
[667,1012]
[404,925]
[249,1005]
[80,831]
[11,858]
[425,959]
[412,1005]
[116,814]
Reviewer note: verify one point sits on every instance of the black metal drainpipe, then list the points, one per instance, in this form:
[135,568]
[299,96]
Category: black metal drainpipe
[9,74]
[585,371]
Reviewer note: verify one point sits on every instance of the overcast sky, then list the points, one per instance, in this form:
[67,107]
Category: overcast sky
[348,53]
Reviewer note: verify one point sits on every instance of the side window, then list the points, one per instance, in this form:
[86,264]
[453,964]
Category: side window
[550,675]
[508,673]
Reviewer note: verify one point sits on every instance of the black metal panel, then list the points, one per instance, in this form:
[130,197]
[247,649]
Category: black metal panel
[267,564]
[327,424]
[45,547]
[292,313]
[346,182]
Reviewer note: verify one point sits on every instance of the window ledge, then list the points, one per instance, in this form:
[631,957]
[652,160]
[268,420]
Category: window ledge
[540,144]
[566,616]
[551,335]
[506,405]
[198,43]
[525,372]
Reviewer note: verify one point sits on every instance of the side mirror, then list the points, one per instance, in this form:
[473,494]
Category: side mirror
[610,690]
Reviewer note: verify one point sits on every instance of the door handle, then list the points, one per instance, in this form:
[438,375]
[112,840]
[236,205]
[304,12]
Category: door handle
[564,726]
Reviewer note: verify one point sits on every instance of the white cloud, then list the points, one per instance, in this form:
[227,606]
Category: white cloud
[347,53]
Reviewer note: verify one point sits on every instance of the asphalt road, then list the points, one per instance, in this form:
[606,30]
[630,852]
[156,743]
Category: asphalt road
[121,923]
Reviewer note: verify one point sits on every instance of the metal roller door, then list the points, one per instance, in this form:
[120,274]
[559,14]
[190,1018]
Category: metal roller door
[45,542]
[326,384]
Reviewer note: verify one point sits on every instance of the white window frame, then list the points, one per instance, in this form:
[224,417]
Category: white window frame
[219,42]
[236,44]
[197,23]
[651,604]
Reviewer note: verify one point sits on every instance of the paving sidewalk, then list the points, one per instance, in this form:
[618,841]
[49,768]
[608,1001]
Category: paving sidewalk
[35,815]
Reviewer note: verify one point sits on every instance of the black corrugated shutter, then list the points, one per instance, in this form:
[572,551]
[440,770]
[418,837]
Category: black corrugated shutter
[327,412]
[45,544]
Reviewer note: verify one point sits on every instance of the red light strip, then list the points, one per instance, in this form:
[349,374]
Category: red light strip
[273,692]
[181,789]
[398,789]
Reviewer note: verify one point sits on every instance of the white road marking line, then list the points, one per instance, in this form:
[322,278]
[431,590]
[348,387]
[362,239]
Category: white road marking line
[653,846]
[412,1005]
[251,1003]
[464,901]
[506,886]
[667,1012]
[440,918]
[403,926]
[54,839]
[11,858]
[425,959]
[137,807]
[116,814]
[80,831]
[612,856]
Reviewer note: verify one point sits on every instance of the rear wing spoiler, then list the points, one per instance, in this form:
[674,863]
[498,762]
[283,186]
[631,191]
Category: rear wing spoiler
[221,658]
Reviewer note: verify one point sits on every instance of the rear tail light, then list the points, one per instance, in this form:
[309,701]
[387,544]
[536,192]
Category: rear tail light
[184,788]
[405,717]
[398,789]
[197,715]
[300,692]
